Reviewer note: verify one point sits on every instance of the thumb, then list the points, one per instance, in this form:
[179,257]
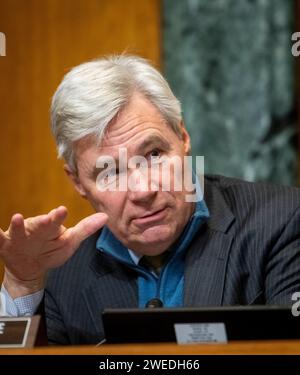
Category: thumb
[86,227]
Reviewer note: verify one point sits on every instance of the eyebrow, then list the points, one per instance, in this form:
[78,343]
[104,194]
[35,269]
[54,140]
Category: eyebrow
[97,170]
[152,140]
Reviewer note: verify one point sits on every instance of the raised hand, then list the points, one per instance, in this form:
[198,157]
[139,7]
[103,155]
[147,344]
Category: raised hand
[30,247]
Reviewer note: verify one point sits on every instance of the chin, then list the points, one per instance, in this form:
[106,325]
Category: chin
[155,240]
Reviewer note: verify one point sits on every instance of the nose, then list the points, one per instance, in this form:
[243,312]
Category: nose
[141,197]
[139,187]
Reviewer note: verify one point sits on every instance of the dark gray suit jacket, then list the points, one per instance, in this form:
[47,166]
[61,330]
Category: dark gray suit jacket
[247,253]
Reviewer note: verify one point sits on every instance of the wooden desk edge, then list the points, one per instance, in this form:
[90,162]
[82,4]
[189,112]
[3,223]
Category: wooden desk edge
[283,347]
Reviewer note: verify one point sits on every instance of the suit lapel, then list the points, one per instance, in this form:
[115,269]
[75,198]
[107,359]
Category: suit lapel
[205,269]
[206,260]
[112,287]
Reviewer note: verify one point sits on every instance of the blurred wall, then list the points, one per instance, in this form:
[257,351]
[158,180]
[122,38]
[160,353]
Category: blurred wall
[44,39]
[230,63]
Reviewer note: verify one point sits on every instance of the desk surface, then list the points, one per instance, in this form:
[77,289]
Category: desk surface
[238,347]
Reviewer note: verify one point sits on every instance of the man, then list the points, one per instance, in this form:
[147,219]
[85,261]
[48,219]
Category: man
[240,245]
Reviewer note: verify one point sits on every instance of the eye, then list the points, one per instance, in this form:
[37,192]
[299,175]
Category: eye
[108,174]
[111,172]
[155,153]
[156,156]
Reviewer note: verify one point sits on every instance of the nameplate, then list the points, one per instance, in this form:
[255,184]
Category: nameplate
[18,332]
[195,333]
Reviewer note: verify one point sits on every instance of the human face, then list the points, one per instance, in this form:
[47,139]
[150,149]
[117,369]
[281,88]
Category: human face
[148,222]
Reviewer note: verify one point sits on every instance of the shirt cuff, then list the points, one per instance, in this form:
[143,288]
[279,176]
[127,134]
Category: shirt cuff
[21,306]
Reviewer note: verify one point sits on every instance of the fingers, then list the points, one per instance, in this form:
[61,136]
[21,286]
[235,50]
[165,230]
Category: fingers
[16,229]
[58,215]
[45,239]
[85,228]
[62,248]
[47,226]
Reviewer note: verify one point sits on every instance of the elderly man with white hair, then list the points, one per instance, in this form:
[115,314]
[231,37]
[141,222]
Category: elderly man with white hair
[119,128]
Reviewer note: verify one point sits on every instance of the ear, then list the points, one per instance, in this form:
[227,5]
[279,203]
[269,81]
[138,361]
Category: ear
[73,176]
[186,138]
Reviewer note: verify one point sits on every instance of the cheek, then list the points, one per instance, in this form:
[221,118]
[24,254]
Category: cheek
[110,203]
[169,175]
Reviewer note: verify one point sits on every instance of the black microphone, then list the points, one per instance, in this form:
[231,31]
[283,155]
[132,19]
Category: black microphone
[154,302]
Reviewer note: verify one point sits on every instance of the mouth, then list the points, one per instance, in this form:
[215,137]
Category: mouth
[150,217]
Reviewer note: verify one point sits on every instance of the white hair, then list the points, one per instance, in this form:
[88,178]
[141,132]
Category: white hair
[93,93]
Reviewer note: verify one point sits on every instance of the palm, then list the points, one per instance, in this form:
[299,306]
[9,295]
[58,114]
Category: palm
[30,247]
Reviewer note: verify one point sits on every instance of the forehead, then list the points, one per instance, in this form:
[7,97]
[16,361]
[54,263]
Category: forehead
[138,125]
[137,120]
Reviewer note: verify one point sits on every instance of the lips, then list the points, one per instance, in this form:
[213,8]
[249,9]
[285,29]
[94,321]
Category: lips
[150,217]
[150,213]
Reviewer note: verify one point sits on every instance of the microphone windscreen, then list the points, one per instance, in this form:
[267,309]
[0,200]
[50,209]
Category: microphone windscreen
[154,302]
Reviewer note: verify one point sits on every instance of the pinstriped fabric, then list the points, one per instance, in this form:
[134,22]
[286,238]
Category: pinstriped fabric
[78,292]
[264,261]
[247,253]
[205,268]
